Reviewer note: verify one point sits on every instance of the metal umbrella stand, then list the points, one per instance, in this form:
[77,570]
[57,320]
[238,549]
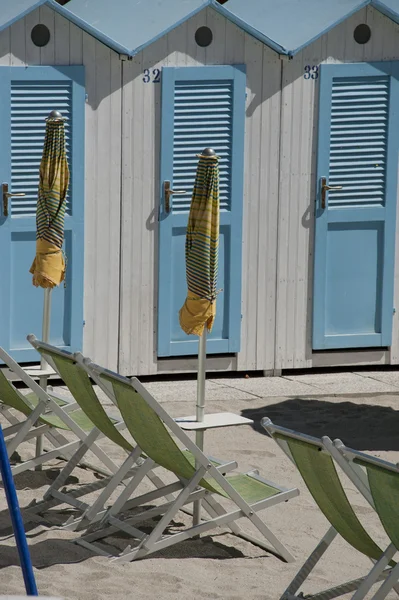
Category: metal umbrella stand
[202,240]
[48,268]
[201,381]
[45,333]
[200,409]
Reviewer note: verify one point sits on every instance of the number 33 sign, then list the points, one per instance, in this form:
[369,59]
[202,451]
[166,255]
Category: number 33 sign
[311,72]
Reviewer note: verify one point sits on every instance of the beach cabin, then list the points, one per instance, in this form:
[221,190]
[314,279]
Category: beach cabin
[300,100]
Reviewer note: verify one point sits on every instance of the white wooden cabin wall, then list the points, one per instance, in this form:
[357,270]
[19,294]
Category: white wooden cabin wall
[141,185]
[297,192]
[122,187]
[68,45]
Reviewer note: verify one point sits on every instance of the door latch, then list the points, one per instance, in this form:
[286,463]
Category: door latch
[168,193]
[6,196]
[326,188]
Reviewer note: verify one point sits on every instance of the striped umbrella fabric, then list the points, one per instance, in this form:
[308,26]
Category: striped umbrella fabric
[202,245]
[48,268]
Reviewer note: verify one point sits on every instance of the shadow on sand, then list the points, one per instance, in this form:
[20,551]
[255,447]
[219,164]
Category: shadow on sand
[362,426]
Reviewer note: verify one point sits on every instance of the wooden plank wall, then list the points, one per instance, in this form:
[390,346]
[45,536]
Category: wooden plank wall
[297,192]
[122,196]
[140,194]
[68,45]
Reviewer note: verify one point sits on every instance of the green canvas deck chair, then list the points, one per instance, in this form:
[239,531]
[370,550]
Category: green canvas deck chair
[96,511]
[71,368]
[197,478]
[43,415]
[318,471]
[68,366]
[378,481]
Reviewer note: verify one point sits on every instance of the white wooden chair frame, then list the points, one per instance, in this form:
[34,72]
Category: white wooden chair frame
[53,496]
[26,430]
[345,458]
[188,493]
[361,586]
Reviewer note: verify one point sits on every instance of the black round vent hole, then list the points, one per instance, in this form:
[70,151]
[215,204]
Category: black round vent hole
[40,35]
[203,36]
[362,34]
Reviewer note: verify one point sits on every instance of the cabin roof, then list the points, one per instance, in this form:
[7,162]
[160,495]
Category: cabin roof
[128,26]
[13,11]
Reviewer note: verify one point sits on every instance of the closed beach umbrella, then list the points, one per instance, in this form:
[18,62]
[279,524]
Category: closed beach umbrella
[48,267]
[198,312]
[202,244]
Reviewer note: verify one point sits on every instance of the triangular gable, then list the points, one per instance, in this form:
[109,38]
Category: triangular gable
[13,11]
[136,24]
[286,26]
[129,26]
[16,10]
[290,25]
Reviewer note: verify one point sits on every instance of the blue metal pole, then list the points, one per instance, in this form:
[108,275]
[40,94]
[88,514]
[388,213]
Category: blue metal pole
[16,519]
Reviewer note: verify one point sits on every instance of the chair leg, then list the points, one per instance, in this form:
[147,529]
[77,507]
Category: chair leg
[54,437]
[137,478]
[279,548]
[159,484]
[7,414]
[388,584]
[156,533]
[149,543]
[72,463]
[309,564]
[114,481]
[25,427]
[96,533]
[374,574]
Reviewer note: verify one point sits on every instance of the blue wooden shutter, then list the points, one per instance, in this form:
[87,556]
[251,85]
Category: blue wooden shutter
[203,117]
[201,107]
[31,103]
[355,232]
[27,95]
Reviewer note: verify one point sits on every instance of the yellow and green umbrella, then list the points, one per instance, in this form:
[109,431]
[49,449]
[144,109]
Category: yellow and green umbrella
[202,244]
[48,267]
[198,312]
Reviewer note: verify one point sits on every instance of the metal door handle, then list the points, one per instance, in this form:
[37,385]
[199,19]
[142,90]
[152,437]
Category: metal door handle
[6,196]
[326,188]
[168,193]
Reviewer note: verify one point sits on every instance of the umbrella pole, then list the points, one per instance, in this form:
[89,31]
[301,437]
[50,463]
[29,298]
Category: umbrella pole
[16,519]
[43,363]
[199,435]
[46,322]
[201,387]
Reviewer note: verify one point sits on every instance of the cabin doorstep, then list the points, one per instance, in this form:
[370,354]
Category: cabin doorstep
[304,119]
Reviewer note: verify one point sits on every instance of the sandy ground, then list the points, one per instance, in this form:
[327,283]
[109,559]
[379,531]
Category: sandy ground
[217,566]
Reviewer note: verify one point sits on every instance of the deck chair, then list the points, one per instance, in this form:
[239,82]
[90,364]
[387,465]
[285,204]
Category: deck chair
[152,428]
[96,511]
[71,368]
[378,481]
[79,385]
[318,471]
[42,414]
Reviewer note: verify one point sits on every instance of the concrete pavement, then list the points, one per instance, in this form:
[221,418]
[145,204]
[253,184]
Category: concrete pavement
[363,383]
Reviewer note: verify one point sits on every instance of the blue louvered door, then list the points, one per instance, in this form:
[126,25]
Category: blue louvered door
[355,224]
[27,96]
[201,107]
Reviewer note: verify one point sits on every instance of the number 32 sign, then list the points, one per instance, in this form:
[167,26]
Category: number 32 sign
[153,76]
